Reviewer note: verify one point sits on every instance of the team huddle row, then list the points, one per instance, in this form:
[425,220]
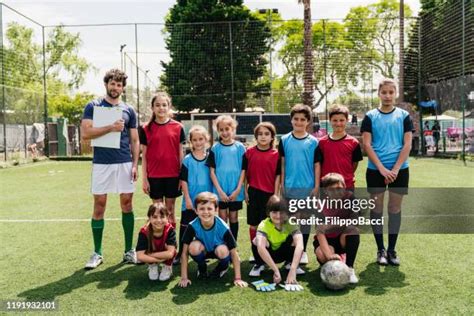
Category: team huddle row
[215,183]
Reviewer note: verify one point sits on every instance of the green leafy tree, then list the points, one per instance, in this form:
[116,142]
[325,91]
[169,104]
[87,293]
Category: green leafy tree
[373,31]
[217,51]
[333,67]
[70,107]
[23,70]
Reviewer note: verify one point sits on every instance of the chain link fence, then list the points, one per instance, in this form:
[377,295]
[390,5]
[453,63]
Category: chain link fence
[239,66]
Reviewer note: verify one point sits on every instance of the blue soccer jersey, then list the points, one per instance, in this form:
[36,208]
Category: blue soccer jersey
[218,234]
[300,157]
[196,174]
[227,162]
[388,130]
[104,155]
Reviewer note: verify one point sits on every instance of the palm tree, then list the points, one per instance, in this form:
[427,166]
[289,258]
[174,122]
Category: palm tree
[308,55]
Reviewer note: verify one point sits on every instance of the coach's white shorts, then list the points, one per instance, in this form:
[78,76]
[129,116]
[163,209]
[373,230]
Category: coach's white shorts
[113,178]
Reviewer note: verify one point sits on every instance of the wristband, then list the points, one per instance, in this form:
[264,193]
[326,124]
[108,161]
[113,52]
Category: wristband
[237,279]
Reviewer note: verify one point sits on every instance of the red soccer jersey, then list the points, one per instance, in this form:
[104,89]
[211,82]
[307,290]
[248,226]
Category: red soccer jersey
[338,156]
[262,167]
[163,142]
[159,244]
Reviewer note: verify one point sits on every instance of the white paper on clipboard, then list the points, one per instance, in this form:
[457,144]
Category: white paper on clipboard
[106,116]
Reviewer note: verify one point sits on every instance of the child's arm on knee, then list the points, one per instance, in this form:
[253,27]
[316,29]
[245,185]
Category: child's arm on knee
[325,249]
[147,258]
[267,258]
[164,255]
[298,242]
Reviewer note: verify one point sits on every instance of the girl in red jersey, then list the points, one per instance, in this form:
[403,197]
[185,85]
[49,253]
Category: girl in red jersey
[262,165]
[161,142]
[157,243]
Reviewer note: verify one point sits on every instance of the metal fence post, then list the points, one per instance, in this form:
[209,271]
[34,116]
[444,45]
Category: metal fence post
[231,64]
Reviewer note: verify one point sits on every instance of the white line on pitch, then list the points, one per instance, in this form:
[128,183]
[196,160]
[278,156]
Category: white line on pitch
[57,220]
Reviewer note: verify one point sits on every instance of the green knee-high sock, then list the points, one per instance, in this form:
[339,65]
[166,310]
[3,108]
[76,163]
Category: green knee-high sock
[128,221]
[97,231]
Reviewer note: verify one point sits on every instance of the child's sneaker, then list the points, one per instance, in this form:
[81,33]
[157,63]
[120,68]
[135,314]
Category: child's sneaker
[219,272]
[299,270]
[382,257]
[130,257]
[256,270]
[251,259]
[353,277]
[94,261]
[177,261]
[304,258]
[166,273]
[202,271]
[393,259]
[153,271]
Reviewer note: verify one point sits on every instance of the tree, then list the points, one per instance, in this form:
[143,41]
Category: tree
[24,61]
[70,107]
[373,32]
[308,55]
[23,70]
[217,55]
[333,65]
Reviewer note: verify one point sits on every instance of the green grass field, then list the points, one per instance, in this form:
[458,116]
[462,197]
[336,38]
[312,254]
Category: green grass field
[44,259]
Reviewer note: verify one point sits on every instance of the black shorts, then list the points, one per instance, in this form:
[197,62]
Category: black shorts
[283,254]
[233,206]
[335,242]
[187,216]
[376,182]
[164,188]
[257,206]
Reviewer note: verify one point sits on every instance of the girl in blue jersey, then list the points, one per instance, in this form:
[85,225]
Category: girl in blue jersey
[194,176]
[225,163]
[387,135]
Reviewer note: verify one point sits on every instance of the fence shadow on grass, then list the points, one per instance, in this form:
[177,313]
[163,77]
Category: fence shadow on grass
[138,287]
[378,280]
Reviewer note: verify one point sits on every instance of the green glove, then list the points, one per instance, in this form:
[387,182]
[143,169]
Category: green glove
[263,286]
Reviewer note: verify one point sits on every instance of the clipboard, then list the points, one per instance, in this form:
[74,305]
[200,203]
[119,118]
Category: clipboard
[106,116]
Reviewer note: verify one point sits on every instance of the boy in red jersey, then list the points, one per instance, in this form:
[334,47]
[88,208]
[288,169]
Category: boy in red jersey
[339,152]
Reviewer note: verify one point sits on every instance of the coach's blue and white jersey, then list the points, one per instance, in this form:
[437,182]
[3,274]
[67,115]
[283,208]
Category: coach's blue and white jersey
[196,174]
[123,154]
[388,130]
[227,162]
[300,157]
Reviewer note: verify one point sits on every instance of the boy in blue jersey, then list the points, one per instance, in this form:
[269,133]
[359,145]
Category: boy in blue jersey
[208,236]
[387,136]
[300,170]
[195,178]
[114,170]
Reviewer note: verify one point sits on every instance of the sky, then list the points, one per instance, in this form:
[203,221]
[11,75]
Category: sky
[101,45]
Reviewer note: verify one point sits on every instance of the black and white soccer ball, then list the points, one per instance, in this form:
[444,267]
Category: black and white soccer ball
[335,275]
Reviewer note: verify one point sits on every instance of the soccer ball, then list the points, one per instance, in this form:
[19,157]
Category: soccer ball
[335,274]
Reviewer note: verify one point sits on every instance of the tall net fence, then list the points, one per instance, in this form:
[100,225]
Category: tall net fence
[238,66]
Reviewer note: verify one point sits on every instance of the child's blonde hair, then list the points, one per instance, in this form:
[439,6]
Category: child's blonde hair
[198,129]
[387,82]
[225,119]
